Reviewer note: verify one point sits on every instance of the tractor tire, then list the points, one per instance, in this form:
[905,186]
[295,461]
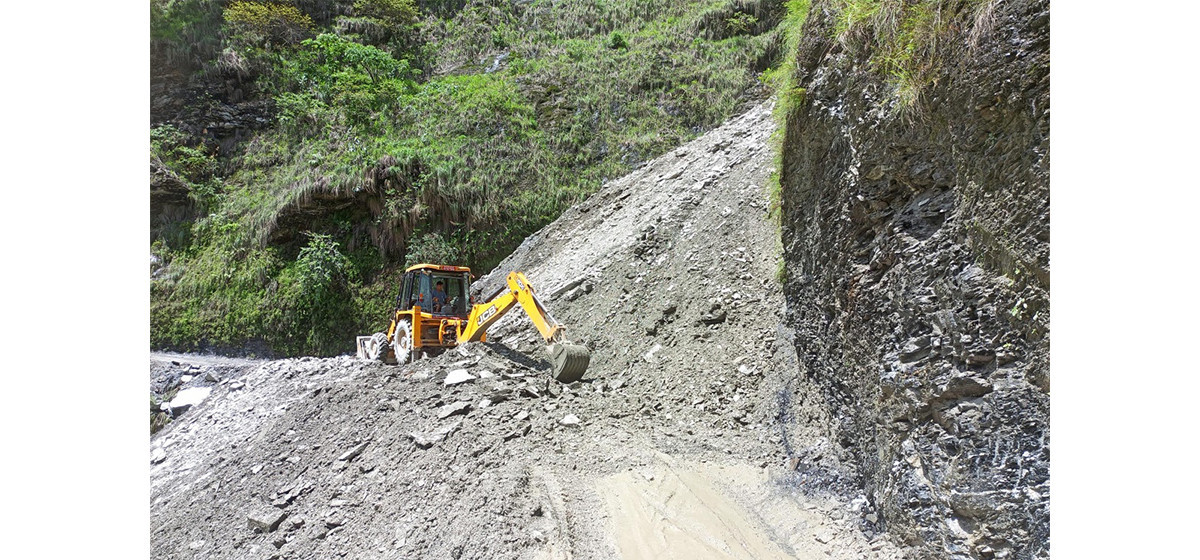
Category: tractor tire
[377,349]
[402,343]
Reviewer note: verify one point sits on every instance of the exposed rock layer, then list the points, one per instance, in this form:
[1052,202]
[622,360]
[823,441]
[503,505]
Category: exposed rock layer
[917,253]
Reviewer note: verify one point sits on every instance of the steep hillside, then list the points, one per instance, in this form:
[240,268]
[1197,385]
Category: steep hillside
[916,230]
[844,353]
[683,440]
[304,151]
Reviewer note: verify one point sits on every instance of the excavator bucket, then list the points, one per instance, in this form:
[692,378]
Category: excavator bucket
[569,361]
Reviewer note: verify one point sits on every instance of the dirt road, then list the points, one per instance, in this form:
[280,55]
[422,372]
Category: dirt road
[687,438]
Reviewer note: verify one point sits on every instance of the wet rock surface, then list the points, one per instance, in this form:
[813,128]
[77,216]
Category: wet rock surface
[917,253]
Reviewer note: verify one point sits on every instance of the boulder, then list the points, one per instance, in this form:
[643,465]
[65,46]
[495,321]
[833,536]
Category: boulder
[458,376]
[188,398]
[265,518]
[651,356]
[458,407]
[425,440]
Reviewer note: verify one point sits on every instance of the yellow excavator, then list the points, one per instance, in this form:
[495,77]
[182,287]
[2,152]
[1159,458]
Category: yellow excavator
[434,310]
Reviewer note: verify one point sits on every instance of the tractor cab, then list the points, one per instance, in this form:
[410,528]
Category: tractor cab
[438,289]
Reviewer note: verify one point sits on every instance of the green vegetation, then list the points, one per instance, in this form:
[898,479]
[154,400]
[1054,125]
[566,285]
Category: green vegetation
[788,98]
[903,41]
[399,135]
[741,22]
[258,23]
[395,13]
[194,166]
[904,38]
[185,34]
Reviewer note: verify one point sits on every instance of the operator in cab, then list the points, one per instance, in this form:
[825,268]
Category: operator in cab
[439,296]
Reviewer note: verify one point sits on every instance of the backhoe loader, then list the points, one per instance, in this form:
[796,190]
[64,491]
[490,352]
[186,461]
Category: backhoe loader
[434,310]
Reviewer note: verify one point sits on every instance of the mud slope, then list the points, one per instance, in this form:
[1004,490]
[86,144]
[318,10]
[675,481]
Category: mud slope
[679,442]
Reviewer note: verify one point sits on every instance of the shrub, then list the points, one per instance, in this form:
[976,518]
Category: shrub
[300,111]
[384,23]
[740,23]
[331,64]
[170,145]
[617,41]
[311,310]
[431,248]
[498,39]
[194,165]
[258,23]
[389,12]
[333,72]
[322,268]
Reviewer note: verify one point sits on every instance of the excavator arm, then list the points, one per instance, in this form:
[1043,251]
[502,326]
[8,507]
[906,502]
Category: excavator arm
[520,292]
[569,360]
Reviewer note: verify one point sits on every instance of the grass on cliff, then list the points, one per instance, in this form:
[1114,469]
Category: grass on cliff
[453,137]
[788,97]
[906,39]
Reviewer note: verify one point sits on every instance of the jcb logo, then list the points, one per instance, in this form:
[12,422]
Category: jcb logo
[487,314]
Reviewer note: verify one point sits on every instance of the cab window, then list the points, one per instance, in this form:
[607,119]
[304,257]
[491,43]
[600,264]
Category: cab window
[450,298]
[405,300]
[416,291]
[448,295]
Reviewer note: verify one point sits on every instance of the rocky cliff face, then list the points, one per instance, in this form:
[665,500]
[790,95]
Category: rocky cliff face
[916,244]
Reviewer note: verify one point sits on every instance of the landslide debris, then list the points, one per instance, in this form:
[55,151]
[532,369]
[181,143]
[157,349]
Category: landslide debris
[668,275]
[178,382]
[366,143]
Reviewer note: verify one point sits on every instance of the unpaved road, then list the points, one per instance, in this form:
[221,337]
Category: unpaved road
[688,417]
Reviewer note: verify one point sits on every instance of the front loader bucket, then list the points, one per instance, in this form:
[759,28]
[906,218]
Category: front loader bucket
[363,343]
[569,361]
